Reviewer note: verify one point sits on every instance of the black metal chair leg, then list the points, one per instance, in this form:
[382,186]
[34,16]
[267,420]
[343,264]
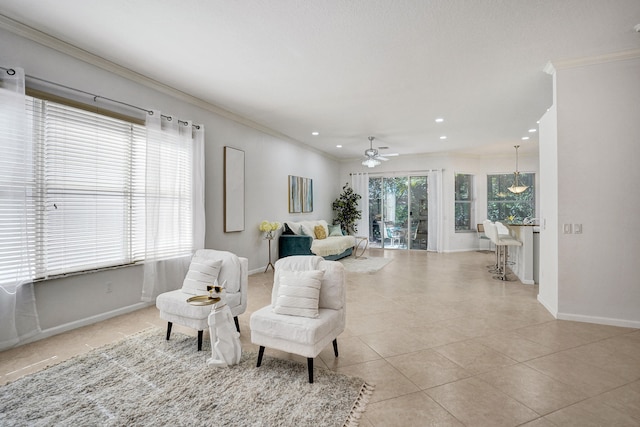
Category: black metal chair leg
[200,340]
[169,325]
[260,354]
[310,365]
[235,319]
[335,347]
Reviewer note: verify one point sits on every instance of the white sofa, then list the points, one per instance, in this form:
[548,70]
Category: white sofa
[306,241]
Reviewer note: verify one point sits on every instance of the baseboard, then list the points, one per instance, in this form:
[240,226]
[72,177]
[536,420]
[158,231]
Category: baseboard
[553,312]
[257,270]
[528,282]
[46,333]
[624,323]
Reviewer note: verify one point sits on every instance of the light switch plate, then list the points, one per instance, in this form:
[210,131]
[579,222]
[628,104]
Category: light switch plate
[577,228]
[566,229]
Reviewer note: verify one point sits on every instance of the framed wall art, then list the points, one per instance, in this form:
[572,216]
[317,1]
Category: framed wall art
[233,189]
[300,194]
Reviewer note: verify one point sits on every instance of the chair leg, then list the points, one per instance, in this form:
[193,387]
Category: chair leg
[260,354]
[200,340]
[169,325]
[310,365]
[335,347]
[235,319]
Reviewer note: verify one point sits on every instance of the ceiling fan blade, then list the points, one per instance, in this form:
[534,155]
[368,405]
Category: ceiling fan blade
[384,159]
[391,154]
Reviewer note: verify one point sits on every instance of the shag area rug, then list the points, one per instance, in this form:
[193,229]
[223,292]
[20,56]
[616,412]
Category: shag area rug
[364,264]
[146,380]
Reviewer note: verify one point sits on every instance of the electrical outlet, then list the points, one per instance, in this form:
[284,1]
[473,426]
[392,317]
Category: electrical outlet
[566,229]
[109,288]
[577,228]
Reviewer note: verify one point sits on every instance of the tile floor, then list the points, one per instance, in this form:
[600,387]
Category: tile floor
[443,343]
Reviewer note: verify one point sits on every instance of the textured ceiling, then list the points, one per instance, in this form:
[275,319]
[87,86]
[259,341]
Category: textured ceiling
[350,69]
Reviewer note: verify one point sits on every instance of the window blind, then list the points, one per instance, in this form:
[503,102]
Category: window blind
[86,164]
[76,196]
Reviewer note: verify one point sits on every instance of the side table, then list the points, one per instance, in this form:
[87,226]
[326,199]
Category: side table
[270,264]
[362,243]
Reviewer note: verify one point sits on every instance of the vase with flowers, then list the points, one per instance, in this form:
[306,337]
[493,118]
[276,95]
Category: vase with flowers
[269,228]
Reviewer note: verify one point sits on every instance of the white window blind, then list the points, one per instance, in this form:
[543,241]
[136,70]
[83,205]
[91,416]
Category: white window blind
[77,196]
[86,164]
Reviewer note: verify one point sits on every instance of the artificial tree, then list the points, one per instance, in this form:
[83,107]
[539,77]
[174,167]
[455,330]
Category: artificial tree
[346,208]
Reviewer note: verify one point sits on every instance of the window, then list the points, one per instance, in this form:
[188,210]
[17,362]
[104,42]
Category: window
[87,193]
[503,205]
[464,202]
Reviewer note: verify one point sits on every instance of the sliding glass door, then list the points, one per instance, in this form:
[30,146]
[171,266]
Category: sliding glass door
[398,212]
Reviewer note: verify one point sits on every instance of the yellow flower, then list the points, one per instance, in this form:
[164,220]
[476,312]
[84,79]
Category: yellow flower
[267,226]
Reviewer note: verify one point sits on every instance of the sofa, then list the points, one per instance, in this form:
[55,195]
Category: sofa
[314,238]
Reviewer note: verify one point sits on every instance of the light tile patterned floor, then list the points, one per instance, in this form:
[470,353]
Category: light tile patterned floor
[444,343]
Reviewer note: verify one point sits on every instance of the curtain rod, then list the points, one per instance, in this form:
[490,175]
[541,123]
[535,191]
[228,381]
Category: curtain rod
[398,172]
[11,72]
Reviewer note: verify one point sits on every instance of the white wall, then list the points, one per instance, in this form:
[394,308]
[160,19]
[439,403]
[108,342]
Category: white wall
[480,166]
[598,113]
[548,271]
[70,302]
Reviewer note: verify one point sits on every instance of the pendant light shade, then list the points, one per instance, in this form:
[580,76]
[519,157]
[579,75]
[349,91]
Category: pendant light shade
[516,188]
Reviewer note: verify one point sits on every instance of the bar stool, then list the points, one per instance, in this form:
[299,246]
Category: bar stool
[503,242]
[492,233]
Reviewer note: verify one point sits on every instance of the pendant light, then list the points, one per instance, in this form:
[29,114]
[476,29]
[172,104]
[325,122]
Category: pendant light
[516,187]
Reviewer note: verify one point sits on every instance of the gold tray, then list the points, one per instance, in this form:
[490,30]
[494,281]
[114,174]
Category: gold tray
[202,300]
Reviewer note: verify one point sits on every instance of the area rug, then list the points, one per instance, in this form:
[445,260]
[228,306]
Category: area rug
[364,264]
[146,380]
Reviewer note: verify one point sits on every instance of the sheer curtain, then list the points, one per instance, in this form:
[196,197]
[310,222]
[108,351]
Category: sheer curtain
[360,185]
[174,202]
[18,315]
[434,219]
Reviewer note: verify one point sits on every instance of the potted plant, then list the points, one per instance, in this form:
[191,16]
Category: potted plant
[346,208]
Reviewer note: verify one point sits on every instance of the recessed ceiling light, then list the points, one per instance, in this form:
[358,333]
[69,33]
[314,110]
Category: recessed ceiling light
[524,138]
[338,146]
[443,137]
[439,120]
[533,130]
[315,133]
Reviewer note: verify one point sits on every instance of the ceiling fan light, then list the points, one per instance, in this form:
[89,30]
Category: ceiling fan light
[370,163]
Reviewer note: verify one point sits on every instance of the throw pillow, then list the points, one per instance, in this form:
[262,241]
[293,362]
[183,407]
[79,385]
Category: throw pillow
[202,272]
[287,231]
[302,233]
[335,230]
[319,232]
[298,293]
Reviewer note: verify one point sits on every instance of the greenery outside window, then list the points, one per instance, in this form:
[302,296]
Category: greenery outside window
[464,202]
[503,205]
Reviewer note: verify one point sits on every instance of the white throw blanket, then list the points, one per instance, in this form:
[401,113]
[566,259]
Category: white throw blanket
[332,245]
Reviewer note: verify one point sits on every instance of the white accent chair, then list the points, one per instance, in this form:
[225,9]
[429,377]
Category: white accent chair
[206,264]
[306,336]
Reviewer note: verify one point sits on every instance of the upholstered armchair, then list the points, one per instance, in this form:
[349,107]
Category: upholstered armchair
[307,311]
[207,265]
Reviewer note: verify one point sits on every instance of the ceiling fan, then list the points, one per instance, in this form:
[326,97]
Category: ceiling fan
[372,156]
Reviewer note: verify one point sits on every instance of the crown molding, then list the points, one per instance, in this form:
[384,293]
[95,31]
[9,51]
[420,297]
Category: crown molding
[552,66]
[49,41]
